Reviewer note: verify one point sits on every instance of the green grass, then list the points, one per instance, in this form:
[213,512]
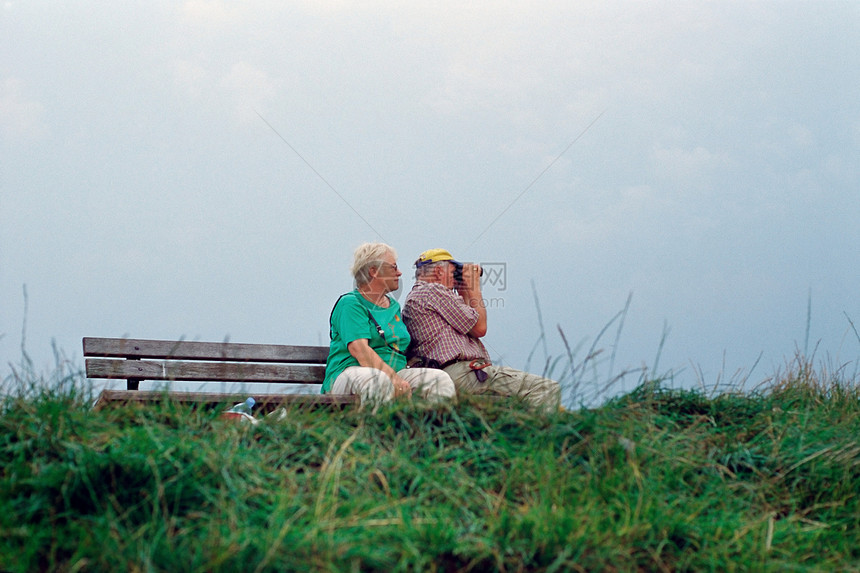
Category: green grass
[655,480]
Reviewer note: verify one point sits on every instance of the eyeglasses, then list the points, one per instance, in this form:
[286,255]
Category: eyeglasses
[393,267]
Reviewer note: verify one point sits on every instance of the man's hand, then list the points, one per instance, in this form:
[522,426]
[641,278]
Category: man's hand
[471,283]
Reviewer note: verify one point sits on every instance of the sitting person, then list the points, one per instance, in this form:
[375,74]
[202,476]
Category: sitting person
[446,318]
[369,339]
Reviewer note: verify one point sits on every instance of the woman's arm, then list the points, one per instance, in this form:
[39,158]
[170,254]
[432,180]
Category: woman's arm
[366,356]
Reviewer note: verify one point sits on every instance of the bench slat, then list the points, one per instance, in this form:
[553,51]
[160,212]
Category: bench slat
[265,402]
[193,350]
[202,371]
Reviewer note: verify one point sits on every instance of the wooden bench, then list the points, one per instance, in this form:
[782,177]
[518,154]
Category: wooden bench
[183,361]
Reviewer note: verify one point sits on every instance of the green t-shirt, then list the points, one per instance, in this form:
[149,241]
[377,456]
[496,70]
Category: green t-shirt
[350,321]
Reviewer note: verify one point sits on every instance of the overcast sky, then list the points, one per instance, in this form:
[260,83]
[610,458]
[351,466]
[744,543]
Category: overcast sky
[204,170]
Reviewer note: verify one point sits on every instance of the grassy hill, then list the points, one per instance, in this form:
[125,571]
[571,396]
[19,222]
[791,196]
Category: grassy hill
[656,480]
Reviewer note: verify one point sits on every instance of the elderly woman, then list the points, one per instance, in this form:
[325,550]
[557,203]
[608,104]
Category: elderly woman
[367,355]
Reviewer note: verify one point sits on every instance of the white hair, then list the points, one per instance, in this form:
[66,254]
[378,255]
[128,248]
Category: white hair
[368,256]
[427,269]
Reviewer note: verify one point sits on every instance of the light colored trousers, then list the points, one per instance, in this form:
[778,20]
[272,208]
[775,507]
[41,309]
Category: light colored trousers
[538,391]
[374,386]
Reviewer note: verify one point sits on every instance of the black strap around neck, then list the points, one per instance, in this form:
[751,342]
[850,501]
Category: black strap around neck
[372,319]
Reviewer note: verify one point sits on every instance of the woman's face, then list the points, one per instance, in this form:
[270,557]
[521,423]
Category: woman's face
[388,273]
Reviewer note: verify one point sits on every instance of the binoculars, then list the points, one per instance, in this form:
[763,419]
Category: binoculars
[458,272]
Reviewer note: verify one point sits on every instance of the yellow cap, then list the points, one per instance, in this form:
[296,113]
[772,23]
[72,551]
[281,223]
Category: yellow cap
[433,256]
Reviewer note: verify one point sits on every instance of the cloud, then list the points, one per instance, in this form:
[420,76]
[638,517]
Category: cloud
[688,167]
[210,13]
[190,77]
[244,87]
[251,88]
[21,120]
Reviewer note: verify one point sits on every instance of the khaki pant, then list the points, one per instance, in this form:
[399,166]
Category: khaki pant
[374,386]
[504,381]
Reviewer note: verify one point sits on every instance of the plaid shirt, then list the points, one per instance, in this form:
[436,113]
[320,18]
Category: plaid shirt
[439,322]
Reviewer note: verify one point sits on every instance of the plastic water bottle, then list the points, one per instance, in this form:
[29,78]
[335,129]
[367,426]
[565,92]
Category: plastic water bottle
[242,411]
[243,407]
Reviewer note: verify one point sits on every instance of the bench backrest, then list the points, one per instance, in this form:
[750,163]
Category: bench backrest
[187,361]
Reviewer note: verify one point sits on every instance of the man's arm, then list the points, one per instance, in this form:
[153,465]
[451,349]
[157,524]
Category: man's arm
[470,289]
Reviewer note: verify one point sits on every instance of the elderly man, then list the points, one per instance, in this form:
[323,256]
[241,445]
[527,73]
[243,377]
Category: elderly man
[446,318]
